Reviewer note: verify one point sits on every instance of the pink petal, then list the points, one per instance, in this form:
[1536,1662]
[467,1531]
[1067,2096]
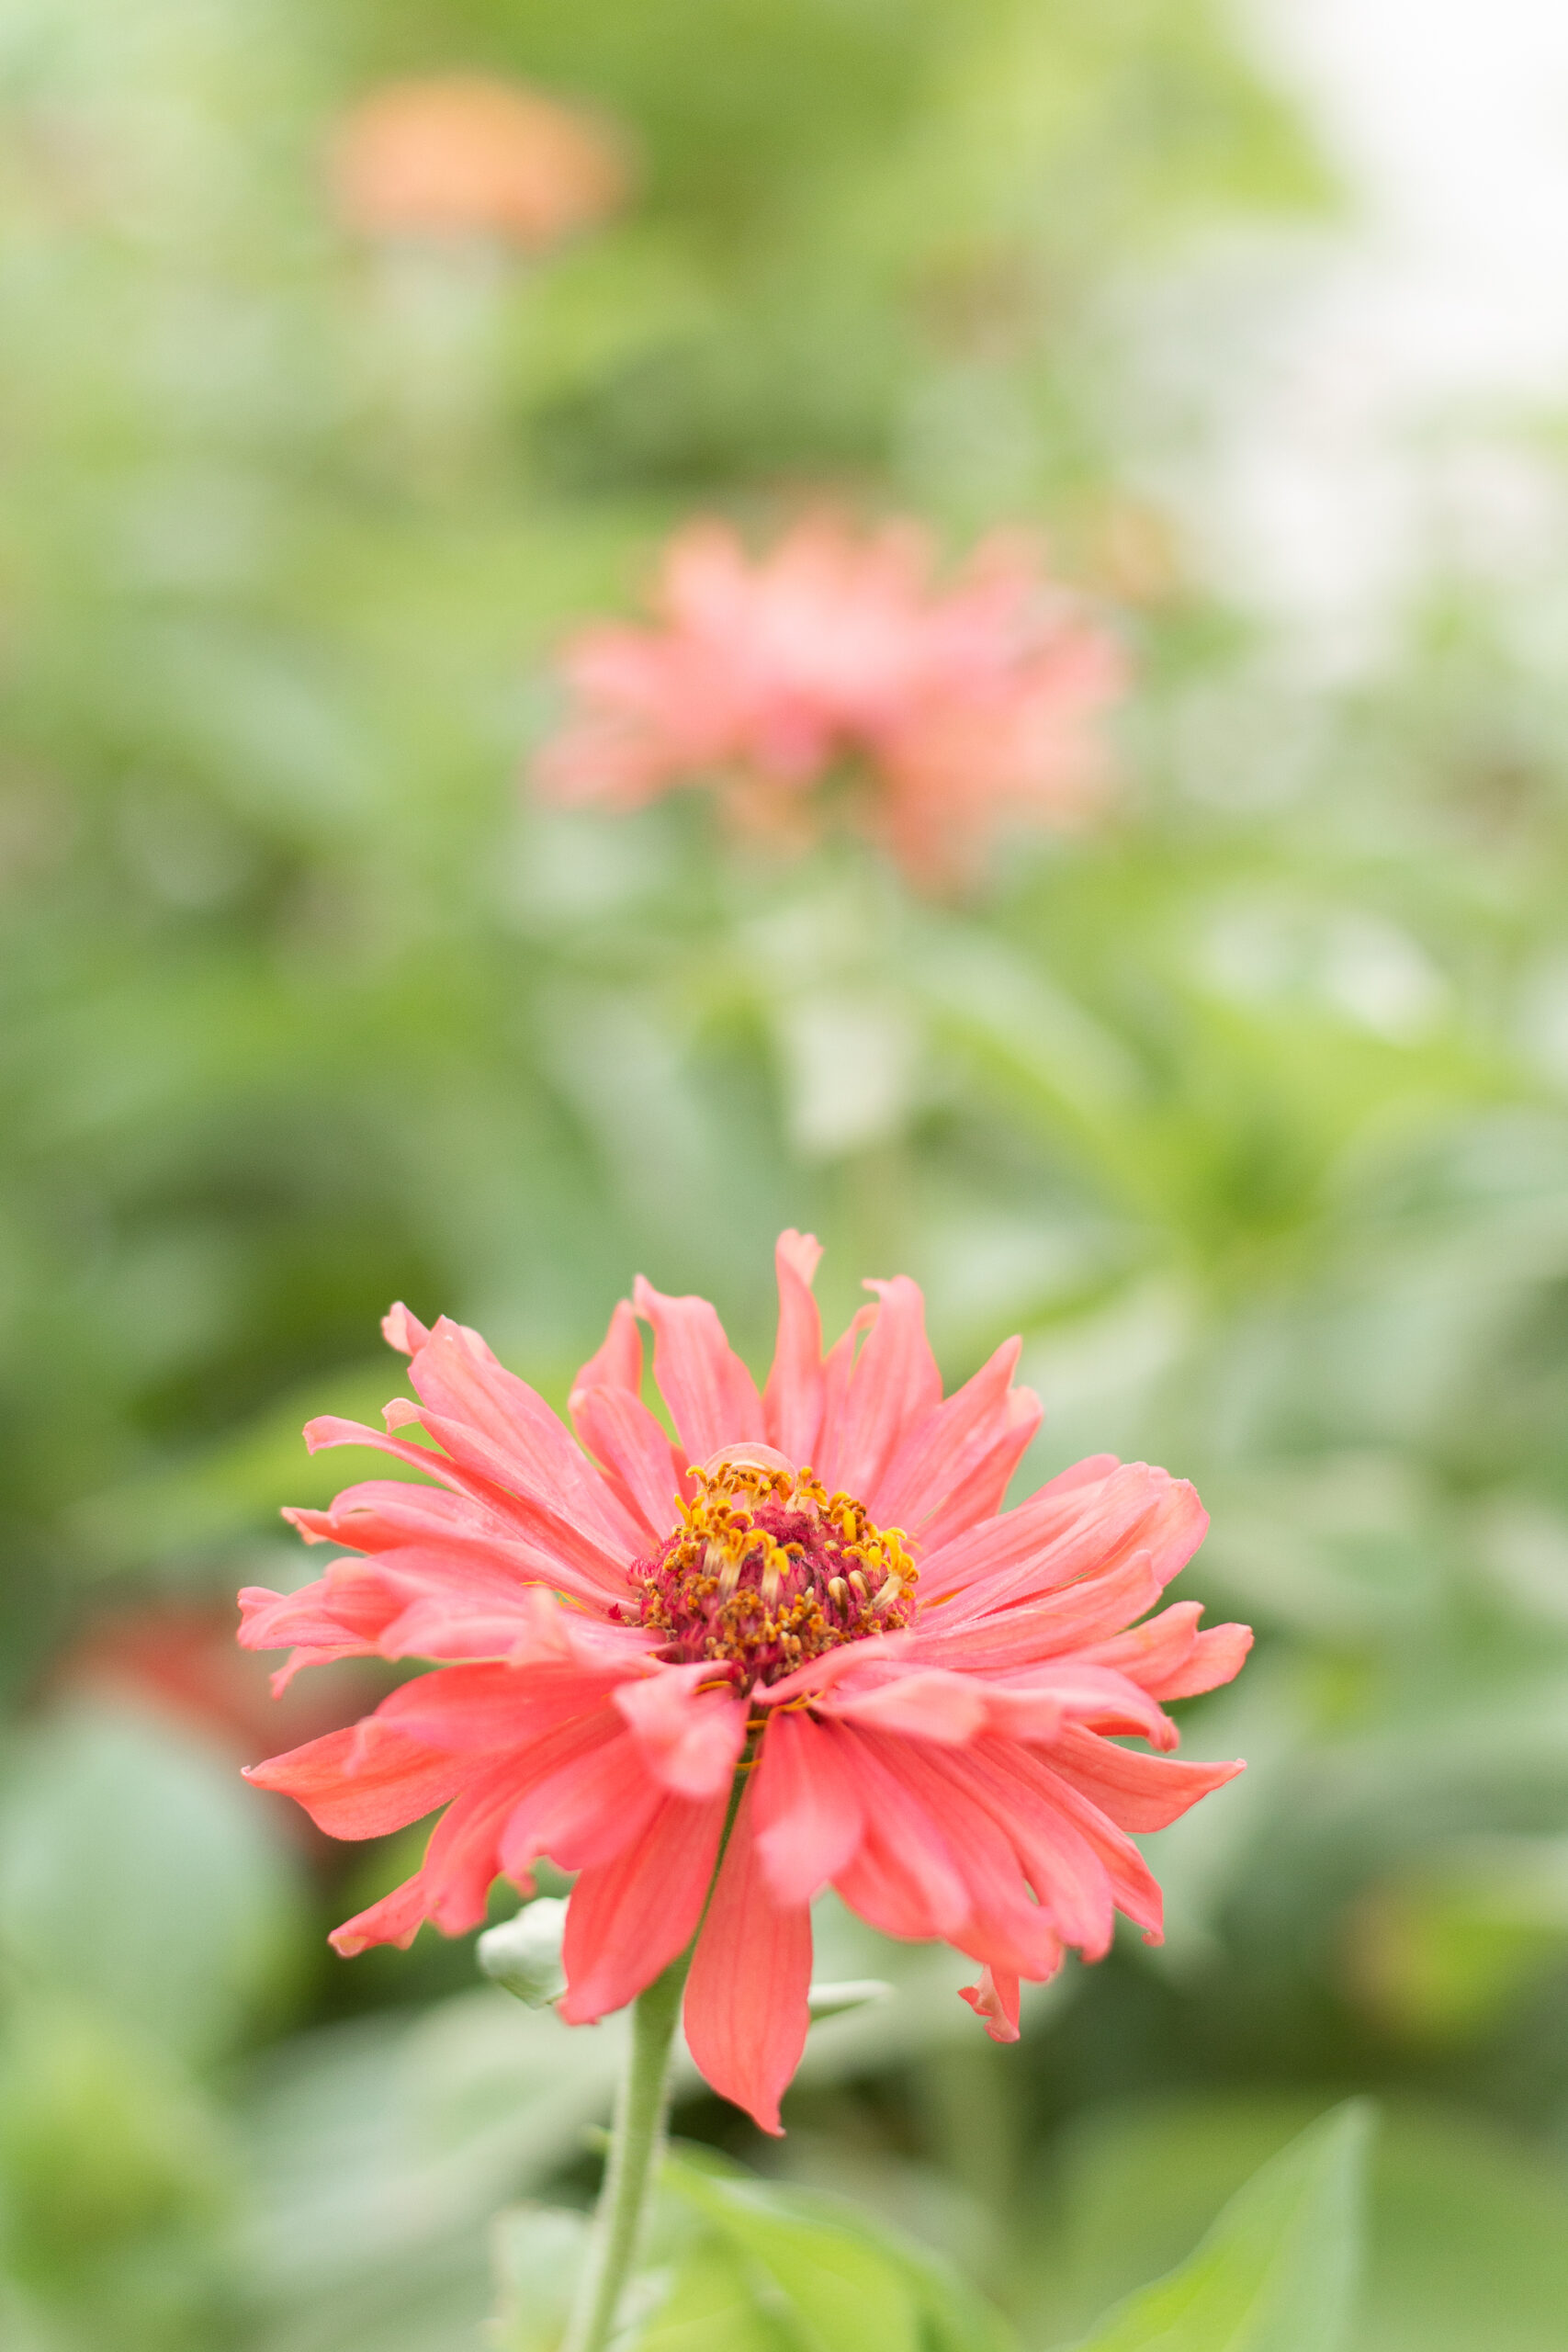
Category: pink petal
[904,1878]
[712,1397]
[364,1780]
[995,1999]
[642,1466]
[746,2012]
[559,1552]
[928,1704]
[1014,1538]
[1218,1656]
[468,1710]
[381,1512]
[403,1331]
[1097,1606]
[1170,1658]
[583,1801]
[518,1440]
[628,1918]
[450,1535]
[1135,1790]
[942,1451]
[396,1919]
[690,1740]
[1024,1778]
[979,1494]
[1062,1852]
[618,1363]
[451,1887]
[819,1674]
[808,1812]
[582,1502]
[341,1615]
[791,1401]
[1060,1536]
[1002,1925]
[457,1609]
[894,1386]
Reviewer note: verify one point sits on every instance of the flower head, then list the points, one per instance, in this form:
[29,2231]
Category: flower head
[813,1587]
[463,155]
[955,707]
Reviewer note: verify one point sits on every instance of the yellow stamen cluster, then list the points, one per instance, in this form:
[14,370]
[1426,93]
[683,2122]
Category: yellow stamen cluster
[767,1569]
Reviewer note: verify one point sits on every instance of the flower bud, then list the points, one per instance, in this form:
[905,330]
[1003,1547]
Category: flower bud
[524,1953]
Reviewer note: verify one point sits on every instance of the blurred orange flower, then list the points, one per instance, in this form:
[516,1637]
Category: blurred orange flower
[958,707]
[466,155]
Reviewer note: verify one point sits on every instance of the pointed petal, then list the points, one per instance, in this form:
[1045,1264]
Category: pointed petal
[894,1386]
[627,1919]
[451,1887]
[618,1362]
[712,1397]
[942,1450]
[1062,1850]
[1170,1658]
[489,1421]
[1136,1791]
[791,1401]
[343,1614]
[403,1331]
[396,1919]
[746,2012]
[1092,1610]
[1080,1864]
[638,1461]
[364,1780]
[999,1834]
[1218,1656]
[979,1494]
[1062,1534]
[559,1552]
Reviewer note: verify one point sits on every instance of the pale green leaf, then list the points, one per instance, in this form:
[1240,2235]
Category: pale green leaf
[845,2279]
[538,2252]
[1279,2271]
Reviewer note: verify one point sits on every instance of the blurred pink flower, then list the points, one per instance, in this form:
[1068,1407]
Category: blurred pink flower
[960,706]
[466,155]
[926,1715]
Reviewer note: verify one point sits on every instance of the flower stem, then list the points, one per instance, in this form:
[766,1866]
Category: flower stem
[637,2134]
[636,2142]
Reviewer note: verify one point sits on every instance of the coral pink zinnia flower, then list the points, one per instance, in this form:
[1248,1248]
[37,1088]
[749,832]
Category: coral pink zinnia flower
[958,707]
[463,154]
[923,1693]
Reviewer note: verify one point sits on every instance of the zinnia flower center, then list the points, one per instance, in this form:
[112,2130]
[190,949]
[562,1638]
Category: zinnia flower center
[767,1570]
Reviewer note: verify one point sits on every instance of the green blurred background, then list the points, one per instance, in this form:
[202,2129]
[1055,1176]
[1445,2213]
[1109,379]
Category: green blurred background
[1250,1110]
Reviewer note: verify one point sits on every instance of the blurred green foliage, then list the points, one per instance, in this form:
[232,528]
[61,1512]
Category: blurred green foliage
[1249,1112]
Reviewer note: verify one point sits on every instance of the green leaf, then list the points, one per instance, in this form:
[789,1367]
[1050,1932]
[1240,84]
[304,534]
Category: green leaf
[1279,2271]
[139,1875]
[716,2303]
[848,2293]
[839,2278]
[538,2253]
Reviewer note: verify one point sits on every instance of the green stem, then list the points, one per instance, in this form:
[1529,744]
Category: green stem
[636,2135]
[636,2142]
